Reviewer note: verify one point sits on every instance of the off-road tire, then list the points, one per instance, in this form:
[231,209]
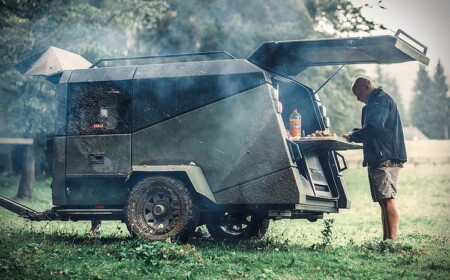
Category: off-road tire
[159,208]
[239,226]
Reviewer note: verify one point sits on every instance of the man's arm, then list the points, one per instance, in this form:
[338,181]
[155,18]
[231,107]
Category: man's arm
[374,122]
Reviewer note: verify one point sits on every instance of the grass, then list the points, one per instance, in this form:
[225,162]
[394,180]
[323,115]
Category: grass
[345,245]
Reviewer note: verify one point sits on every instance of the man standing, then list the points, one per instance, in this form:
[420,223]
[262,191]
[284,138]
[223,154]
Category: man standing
[384,149]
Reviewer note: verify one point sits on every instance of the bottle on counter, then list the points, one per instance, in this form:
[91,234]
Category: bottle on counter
[295,122]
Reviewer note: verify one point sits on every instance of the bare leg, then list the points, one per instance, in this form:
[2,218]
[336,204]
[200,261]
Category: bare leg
[391,217]
[383,221]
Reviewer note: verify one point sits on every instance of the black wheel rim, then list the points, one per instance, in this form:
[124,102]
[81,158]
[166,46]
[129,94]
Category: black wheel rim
[160,211]
[236,224]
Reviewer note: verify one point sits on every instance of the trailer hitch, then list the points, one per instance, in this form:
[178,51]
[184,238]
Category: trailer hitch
[26,212]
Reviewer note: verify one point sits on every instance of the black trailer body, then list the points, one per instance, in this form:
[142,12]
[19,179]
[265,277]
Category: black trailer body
[168,146]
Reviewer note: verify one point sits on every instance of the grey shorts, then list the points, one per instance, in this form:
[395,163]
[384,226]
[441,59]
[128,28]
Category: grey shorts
[383,182]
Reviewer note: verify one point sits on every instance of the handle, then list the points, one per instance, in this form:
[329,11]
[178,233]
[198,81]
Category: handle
[338,163]
[97,158]
[294,150]
[400,32]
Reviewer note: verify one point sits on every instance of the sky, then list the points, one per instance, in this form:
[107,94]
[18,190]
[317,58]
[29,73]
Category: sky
[428,21]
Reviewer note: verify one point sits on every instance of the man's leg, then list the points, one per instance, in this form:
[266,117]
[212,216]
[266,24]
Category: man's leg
[383,221]
[391,217]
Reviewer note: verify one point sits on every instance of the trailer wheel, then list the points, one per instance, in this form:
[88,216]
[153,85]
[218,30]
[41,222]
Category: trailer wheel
[159,208]
[238,226]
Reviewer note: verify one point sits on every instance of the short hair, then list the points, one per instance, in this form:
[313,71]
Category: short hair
[360,80]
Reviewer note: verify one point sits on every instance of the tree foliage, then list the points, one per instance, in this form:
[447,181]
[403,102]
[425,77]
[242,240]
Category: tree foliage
[430,105]
[339,17]
[90,28]
[389,83]
[239,26]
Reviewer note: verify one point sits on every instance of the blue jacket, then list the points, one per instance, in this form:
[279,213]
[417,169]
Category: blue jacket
[381,132]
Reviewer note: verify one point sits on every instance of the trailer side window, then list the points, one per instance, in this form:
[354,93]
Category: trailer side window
[99,108]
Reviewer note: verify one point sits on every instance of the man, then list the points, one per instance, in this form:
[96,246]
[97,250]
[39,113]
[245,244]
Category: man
[384,149]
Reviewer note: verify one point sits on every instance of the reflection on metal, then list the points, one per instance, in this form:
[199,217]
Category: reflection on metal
[51,61]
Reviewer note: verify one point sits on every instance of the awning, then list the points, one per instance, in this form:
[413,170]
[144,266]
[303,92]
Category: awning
[50,62]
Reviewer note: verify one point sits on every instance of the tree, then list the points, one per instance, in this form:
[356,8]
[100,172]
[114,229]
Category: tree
[419,116]
[239,26]
[430,109]
[389,83]
[440,89]
[340,17]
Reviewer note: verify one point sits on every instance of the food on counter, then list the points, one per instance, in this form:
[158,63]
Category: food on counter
[317,133]
[322,133]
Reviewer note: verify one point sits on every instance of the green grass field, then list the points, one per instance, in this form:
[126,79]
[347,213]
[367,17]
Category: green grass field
[292,249]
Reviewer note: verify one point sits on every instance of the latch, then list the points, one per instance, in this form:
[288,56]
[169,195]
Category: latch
[97,158]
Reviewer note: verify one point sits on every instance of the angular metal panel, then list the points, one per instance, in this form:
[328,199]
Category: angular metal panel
[96,190]
[289,58]
[234,140]
[194,173]
[99,155]
[275,188]
[61,110]
[195,68]
[65,76]
[103,74]
[165,91]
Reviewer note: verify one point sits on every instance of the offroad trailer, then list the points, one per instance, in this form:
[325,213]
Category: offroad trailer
[169,143]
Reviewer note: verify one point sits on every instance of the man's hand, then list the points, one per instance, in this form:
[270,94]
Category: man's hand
[349,134]
[346,136]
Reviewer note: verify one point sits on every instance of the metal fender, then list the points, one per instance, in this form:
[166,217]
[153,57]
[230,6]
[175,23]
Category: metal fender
[194,174]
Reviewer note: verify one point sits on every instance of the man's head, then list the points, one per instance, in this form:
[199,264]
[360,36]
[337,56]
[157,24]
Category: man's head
[362,87]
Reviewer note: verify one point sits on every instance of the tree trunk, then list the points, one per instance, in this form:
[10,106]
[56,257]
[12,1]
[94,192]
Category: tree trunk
[8,161]
[26,185]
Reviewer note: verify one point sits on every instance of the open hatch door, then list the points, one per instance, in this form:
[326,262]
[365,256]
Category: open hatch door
[289,58]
